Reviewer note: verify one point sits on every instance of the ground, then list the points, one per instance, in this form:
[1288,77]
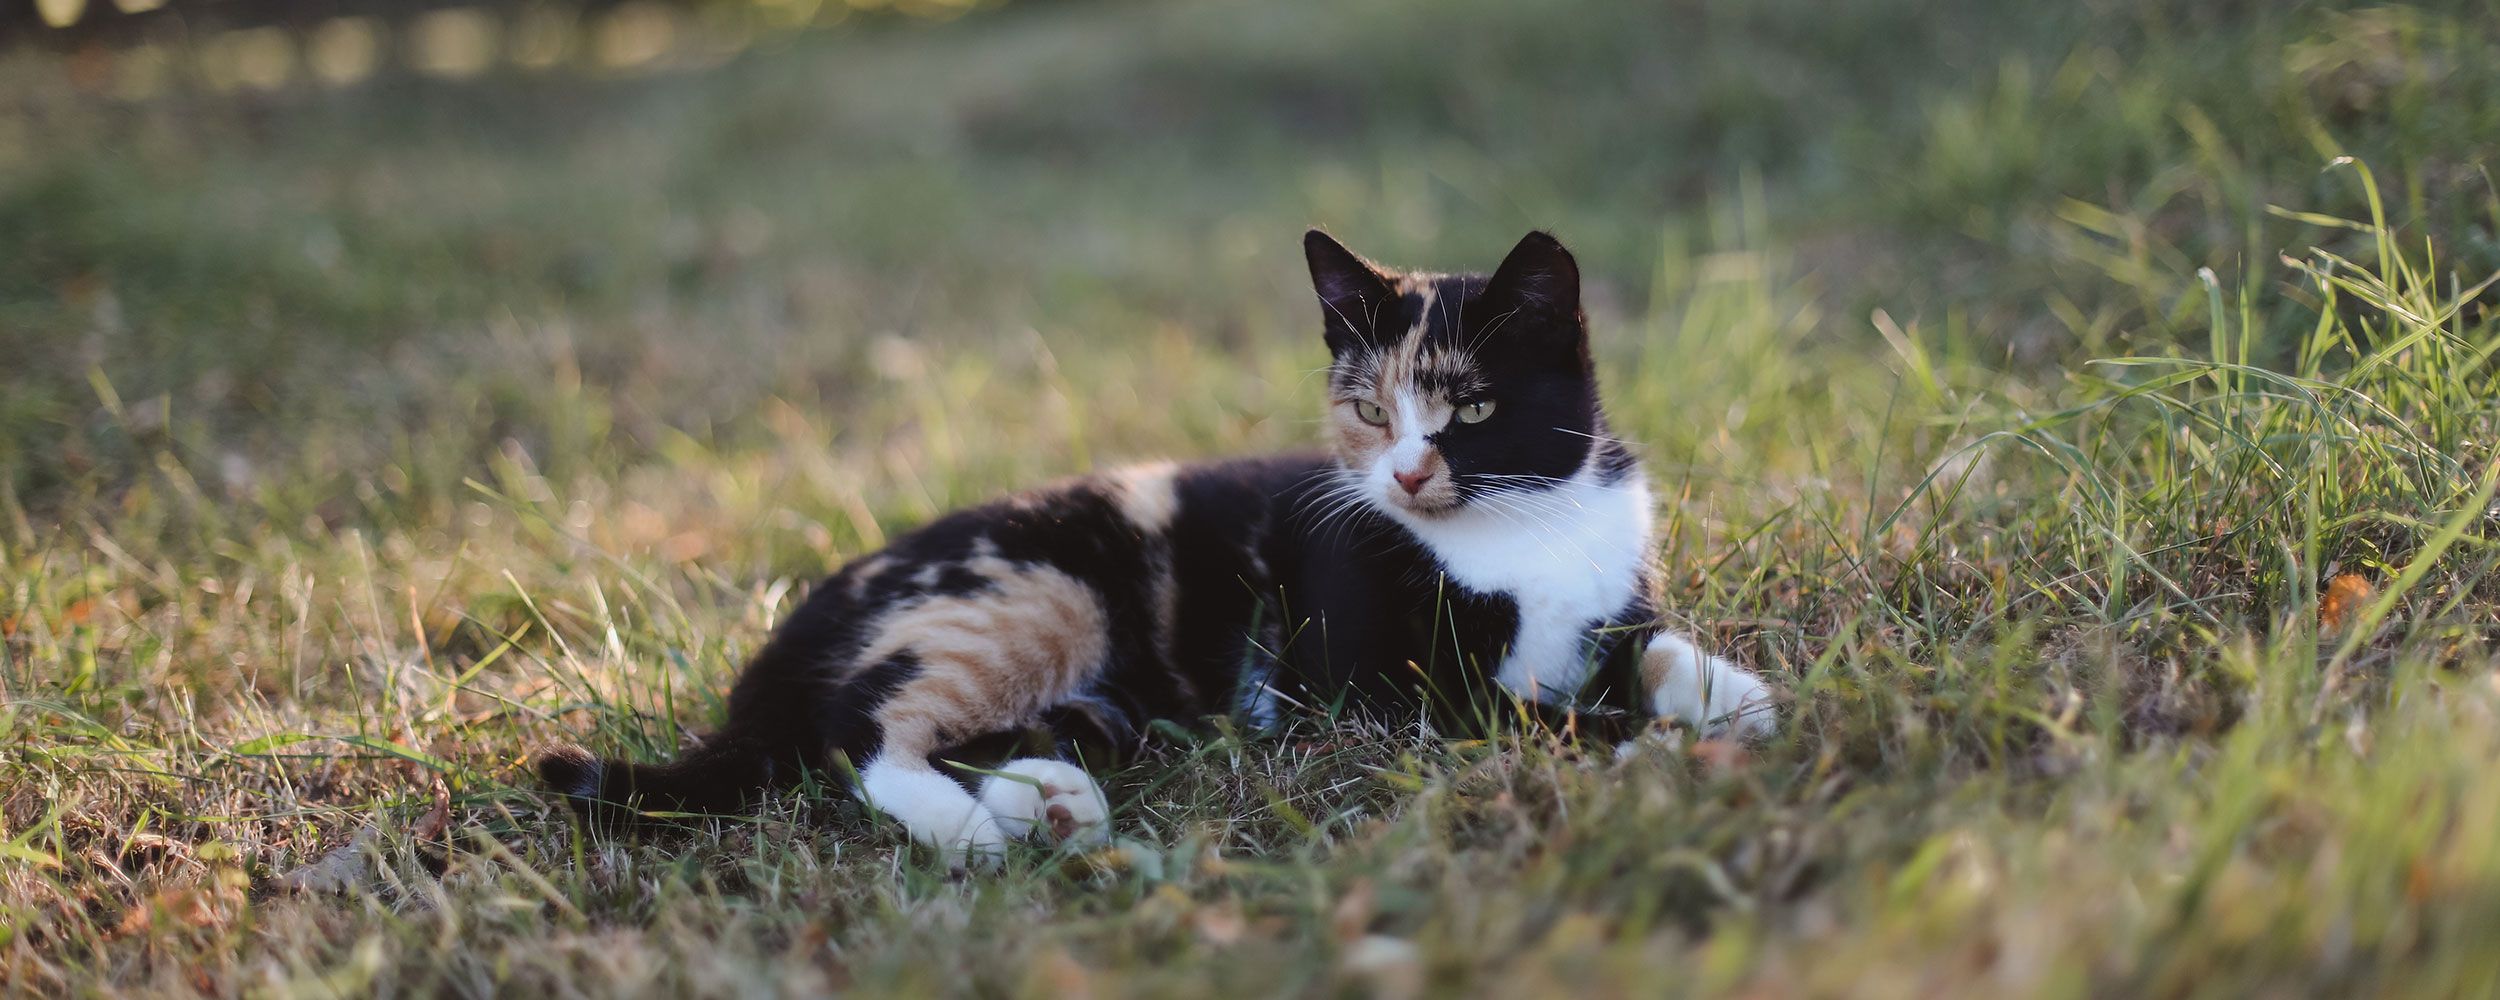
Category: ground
[2081,412]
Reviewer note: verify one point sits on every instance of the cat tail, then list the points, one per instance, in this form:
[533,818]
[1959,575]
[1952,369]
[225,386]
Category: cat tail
[719,778]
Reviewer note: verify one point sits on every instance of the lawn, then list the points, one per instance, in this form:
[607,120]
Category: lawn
[2084,414]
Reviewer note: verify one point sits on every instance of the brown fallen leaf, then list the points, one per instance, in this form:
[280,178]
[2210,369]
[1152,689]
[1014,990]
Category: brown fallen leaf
[811,939]
[1722,756]
[685,547]
[430,826]
[2345,595]
[433,849]
[1062,975]
[1352,918]
[1219,924]
[212,903]
[156,843]
[1392,968]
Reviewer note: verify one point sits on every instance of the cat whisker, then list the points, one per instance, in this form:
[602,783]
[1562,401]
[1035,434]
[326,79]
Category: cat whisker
[1337,506]
[1504,503]
[1517,478]
[1497,510]
[1500,484]
[1542,512]
[1340,517]
[1553,491]
[1600,438]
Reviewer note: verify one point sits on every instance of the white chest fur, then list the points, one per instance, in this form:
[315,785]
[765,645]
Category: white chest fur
[1570,558]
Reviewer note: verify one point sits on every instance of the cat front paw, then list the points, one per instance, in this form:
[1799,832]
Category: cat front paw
[1706,692]
[1050,799]
[937,812]
[979,845]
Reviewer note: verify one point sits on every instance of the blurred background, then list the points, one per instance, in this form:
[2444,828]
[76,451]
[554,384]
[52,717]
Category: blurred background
[387,388]
[293,245]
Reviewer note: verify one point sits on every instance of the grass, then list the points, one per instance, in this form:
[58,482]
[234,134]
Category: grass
[2100,465]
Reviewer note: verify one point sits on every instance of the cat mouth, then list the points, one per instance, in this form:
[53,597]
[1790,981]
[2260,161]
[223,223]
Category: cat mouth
[1423,507]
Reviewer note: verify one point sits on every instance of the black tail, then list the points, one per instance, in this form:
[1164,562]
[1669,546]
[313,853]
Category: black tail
[721,778]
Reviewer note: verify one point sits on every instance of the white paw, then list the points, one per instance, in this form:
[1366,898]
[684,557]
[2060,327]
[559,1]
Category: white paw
[1706,692]
[1052,798]
[936,811]
[979,842]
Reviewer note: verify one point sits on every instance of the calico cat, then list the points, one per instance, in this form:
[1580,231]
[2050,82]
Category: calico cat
[1473,532]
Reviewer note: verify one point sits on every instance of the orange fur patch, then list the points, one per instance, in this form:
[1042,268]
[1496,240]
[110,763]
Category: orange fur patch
[990,660]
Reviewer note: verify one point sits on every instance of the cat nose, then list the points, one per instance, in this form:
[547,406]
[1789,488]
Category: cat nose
[1413,481]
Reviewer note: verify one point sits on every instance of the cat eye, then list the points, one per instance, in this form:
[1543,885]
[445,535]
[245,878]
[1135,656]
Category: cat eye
[1371,412]
[1474,413]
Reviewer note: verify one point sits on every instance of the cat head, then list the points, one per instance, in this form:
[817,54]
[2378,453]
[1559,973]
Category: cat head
[1444,389]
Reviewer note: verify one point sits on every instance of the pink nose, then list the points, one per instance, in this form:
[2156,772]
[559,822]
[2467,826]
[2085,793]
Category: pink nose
[1414,481]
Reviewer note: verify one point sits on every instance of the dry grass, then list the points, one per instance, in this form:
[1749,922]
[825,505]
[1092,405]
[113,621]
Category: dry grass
[2135,624]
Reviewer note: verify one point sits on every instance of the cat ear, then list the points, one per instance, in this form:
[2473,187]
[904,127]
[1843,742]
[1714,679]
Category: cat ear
[1538,275]
[1350,290]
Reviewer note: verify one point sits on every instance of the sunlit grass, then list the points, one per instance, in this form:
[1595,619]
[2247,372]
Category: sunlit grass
[2025,469]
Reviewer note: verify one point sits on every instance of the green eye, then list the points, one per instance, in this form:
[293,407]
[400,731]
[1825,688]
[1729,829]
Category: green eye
[1474,413]
[1371,412]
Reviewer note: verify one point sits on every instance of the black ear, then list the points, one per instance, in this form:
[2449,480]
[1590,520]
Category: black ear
[1350,290]
[1539,275]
